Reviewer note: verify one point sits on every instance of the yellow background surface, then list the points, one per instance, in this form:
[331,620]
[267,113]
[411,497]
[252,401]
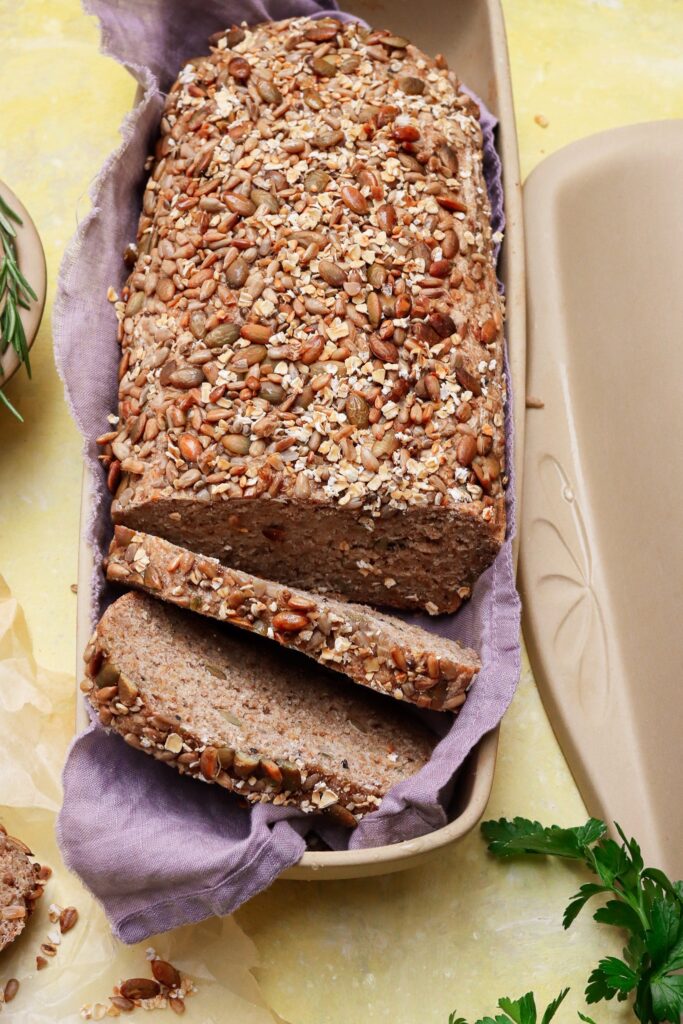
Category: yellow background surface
[462,930]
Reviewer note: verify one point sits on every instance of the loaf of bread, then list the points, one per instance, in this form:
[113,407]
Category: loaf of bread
[239,711]
[20,887]
[373,649]
[311,383]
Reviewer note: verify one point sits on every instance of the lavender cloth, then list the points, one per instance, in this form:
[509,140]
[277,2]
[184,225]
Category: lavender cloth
[159,850]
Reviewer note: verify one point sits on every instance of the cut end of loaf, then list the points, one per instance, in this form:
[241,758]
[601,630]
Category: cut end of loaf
[418,558]
[374,649]
[256,720]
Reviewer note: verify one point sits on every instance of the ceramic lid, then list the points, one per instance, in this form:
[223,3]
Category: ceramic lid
[601,553]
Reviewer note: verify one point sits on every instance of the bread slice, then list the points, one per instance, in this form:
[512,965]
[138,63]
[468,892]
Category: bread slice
[373,649]
[312,375]
[20,887]
[238,711]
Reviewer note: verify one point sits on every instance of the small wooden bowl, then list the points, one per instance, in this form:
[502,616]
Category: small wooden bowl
[32,263]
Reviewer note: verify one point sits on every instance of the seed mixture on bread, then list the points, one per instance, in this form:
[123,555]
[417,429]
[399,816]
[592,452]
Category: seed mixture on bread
[237,711]
[311,381]
[20,887]
[373,649]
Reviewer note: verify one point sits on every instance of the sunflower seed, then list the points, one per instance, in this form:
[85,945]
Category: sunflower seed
[11,989]
[386,217]
[187,377]
[324,30]
[210,767]
[357,410]
[326,140]
[376,275]
[384,350]
[224,334]
[236,444]
[395,42]
[411,86]
[268,92]
[324,68]
[239,204]
[290,622]
[165,973]
[239,68]
[449,158]
[244,764]
[316,181]
[260,197]
[354,199]
[67,919]
[272,393]
[237,273]
[332,273]
[140,988]
[313,99]
[374,311]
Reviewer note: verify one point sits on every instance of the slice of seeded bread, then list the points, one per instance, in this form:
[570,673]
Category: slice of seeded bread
[240,712]
[20,887]
[373,649]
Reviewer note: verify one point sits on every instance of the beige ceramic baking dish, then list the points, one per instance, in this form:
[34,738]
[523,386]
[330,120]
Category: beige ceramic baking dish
[601,565]
[32,263]
[471,34]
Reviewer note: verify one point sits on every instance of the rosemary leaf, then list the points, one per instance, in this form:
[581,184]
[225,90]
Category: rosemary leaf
[15,294]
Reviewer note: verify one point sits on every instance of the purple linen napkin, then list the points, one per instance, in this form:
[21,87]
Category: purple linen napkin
[157,849]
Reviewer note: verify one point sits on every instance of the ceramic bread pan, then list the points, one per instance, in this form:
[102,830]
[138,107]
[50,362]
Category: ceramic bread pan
[601,564]
[471,34]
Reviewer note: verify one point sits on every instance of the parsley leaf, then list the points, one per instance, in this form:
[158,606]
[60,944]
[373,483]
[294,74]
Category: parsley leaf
[579,901]
[510,838]
[553,1007]
[621,915]
[665,925]
[667,997]
[612,977]
[520,1011]
[643,902]
[675,961]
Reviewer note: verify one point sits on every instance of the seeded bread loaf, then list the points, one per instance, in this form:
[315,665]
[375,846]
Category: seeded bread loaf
[238,711]
[311,383]
[20,887]
[373,649]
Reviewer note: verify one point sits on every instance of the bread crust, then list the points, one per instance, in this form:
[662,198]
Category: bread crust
[241,713]
[20,887]
[312,381]
[373,649]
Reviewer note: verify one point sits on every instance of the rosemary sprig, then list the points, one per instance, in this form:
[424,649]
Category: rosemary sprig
[15,294]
